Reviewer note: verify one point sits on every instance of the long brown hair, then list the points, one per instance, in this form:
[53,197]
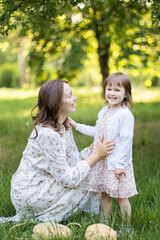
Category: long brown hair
[120,79]
[49,104]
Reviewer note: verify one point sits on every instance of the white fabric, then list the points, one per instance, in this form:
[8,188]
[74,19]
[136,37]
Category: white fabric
[50,179]
[120,129]
[90,130]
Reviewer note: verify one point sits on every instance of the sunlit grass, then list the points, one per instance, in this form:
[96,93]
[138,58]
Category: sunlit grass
[20,114]
[9,93]
[25,100]
[140,94]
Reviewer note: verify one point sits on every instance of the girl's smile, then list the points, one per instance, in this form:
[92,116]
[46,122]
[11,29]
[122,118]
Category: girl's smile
[114,95]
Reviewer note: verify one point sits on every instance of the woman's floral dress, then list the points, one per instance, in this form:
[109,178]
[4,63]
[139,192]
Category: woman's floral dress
[50,179]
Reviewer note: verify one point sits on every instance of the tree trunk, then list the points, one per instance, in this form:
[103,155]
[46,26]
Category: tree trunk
[22,63]
[103,45]
[103,54]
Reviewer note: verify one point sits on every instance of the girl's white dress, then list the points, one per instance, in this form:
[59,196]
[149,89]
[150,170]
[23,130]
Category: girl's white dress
[50,179]
[117,126]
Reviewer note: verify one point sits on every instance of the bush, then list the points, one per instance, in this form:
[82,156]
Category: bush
[9,76]
[155,81]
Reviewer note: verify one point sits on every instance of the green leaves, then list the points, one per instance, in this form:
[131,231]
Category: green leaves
[115,24]
[18,12]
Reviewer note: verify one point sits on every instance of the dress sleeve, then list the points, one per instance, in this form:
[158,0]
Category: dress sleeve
[54,153]
[72,152]
[126,139]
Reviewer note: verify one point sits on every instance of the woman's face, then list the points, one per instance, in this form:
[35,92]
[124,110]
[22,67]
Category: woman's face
[68,100]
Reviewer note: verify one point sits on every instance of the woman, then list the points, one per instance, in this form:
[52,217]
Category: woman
[48,184]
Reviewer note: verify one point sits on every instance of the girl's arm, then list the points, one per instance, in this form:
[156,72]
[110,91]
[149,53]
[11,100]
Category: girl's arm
[82,128]
[72,122]
[87,129]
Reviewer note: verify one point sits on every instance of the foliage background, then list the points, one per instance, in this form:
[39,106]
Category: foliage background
[80,41]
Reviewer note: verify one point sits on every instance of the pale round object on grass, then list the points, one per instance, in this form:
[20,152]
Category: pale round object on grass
[49,230]
[100,231]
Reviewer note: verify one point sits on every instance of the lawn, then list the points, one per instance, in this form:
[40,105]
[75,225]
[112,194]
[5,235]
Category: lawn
[15,128]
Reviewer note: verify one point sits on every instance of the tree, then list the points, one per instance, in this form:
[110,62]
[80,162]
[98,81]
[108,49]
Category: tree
[52,30]
[36,20]
[125,25]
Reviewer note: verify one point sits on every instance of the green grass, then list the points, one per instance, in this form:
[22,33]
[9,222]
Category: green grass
[16,125]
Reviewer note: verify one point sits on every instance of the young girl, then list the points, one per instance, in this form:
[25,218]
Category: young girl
[113,176]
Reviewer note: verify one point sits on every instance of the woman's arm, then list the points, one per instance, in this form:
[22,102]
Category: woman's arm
[102,150]
[53,150]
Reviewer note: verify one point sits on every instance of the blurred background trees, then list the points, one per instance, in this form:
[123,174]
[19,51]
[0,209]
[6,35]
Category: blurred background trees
[80,41]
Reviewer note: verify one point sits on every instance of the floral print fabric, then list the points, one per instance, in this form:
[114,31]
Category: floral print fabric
[50,179]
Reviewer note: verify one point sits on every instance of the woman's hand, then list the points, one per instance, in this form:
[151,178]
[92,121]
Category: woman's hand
[104,148]
[72,122]
[119,172]
[91,147]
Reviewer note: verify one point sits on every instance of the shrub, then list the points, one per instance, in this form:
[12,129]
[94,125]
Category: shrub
[155,81]
[9,76]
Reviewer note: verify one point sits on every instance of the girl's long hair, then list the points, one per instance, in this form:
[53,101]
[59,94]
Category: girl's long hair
[121,80]
[49,105]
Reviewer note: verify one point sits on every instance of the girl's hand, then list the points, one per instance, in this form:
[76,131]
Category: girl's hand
[119,172]
[104,148]
[72,122]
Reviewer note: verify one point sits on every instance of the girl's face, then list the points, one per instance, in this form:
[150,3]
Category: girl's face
[114,95]
[68,100]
